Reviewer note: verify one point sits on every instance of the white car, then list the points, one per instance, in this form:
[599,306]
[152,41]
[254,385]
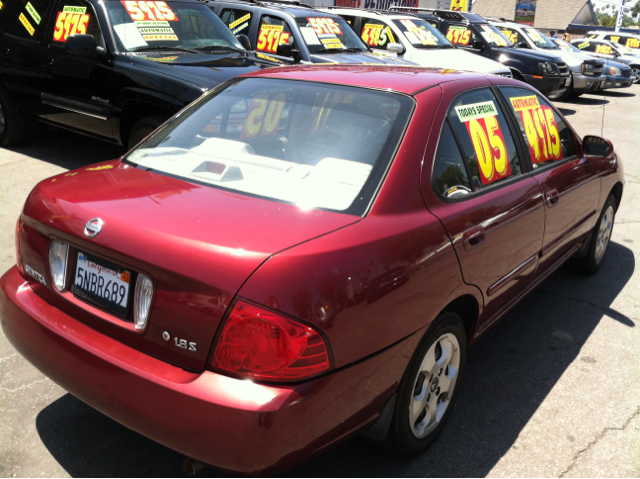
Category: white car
[412,38]
[625,39]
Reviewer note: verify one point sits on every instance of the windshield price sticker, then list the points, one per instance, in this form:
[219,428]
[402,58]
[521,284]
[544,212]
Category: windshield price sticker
[324,26]
[32,11]
[631,42]
[541,129]
[149,11]
[156,30]
[270,37]
[481,120]
[605,49]
[26,24]
[459,35]
[70,20]
[423,35]
[1,5]
[263,115]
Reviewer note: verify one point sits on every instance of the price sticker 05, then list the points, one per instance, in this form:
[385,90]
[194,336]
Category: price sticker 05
[263,115]
[541,129]
[481,120]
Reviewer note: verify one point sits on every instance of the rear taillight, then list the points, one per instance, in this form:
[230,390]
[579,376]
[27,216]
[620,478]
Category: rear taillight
[142,302]
[18,255]
[58,254]
[263,344]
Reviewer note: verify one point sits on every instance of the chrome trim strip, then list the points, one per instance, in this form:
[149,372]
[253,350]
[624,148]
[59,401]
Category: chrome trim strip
[512,275]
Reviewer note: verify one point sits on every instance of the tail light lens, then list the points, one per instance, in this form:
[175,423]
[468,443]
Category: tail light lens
[261,343]
[18,255]
[58,253]
[142,301]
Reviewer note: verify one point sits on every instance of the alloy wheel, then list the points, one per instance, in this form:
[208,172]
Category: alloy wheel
[604,234]
[434,385]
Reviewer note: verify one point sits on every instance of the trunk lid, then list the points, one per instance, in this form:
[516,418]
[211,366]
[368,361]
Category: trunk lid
[197,243]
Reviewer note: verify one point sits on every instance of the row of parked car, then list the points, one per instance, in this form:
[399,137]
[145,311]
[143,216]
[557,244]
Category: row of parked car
[117,70]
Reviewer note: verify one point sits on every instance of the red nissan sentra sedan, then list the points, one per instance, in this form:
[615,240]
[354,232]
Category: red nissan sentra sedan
[303,254]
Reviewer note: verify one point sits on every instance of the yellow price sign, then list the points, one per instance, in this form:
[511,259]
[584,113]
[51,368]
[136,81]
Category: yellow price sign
[541,129]
[459,5]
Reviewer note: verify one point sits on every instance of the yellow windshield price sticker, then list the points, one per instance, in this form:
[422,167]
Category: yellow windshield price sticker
[239,21]
[541,129]
[26,24]
[631,43]
[584,45]
[604,49]
[34,14]
[0,5]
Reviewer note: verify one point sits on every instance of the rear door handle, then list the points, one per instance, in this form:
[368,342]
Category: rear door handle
[473,237]
[552,197]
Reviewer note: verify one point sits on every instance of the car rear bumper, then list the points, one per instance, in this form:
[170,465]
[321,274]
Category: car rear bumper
[234,424]
[547,84]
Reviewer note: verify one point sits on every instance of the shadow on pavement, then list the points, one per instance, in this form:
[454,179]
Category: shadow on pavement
[617,94]
[566,111]
[589,100]
[509,373]
[66,149]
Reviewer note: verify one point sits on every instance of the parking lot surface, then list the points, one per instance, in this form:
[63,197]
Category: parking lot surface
[552,390]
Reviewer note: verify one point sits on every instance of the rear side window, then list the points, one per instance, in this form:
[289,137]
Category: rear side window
[482,131]
[449,172]
[547,136]
[71,17]
[273,32]
[237,20]
[29,20]
[628,42]
[514,36]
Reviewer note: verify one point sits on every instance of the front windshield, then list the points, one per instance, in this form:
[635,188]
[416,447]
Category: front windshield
[151,25]
[539,39]
[311,144]
[563,45]
[329,35]
[421,34]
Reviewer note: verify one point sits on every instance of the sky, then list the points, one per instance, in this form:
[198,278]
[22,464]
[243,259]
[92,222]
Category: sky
[604,3]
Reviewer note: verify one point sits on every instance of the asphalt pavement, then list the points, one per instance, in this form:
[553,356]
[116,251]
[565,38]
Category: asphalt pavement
[552,390]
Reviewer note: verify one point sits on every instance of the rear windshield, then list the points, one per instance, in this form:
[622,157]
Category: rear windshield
[150,25]
[329,35]
[309,144]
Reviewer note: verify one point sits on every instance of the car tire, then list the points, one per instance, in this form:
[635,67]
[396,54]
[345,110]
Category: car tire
[144,128]
[13,125]
[599,240]
[428,388]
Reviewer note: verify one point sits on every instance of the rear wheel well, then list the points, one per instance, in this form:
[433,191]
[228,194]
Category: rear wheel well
[616,191]
[467,308]
[134,111]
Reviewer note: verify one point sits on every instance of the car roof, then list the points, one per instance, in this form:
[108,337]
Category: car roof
[293,8]
[401,79]
[370,12]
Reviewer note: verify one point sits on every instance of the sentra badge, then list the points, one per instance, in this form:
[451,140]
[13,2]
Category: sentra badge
[34,274]
[93,227]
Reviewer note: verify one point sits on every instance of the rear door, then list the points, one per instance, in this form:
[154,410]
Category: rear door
[238,20]
[22,50]
[571,190]
[486,199]
[76,90]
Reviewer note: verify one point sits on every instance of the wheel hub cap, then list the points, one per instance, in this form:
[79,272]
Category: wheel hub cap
[432,396]
[604,234]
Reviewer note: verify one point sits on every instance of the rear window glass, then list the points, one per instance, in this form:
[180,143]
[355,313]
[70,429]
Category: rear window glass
[309,144]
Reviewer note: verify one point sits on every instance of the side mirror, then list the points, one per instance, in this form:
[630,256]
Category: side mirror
[397,48]
[478,45]
[287,50]
[244,41]
[81,45]
[596,147]
[523,45]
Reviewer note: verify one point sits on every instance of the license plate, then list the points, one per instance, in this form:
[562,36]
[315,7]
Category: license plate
[103,283]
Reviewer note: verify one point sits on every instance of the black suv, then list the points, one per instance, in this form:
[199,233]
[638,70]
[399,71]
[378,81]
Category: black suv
[109,69]
[546,72]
